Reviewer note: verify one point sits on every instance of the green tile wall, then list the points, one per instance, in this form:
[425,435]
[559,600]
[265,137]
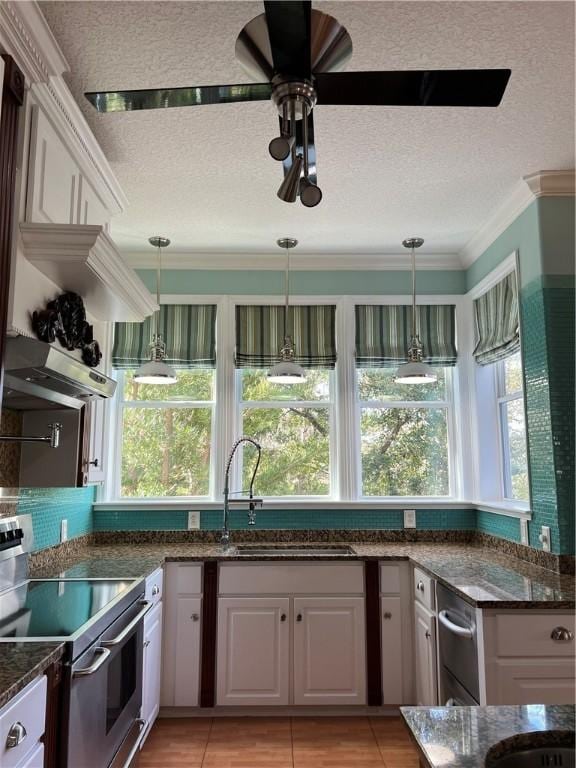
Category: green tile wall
[315,519]
[49,506]
[498,525]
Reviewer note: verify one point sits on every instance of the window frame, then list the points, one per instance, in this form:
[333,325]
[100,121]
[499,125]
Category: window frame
[502,399]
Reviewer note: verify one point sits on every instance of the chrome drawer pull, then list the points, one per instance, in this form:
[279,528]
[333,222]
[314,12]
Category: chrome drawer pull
[454,628]
[283,617]
[387,615]
[126,631]
[155,590]
[16,735]
[195,617]
[420,586]
[562,635]
[103,653]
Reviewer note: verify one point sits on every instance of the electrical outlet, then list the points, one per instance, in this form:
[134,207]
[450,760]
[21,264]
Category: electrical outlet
[193,521]
[545,538]
[524,531]
[63,530]
[409,518]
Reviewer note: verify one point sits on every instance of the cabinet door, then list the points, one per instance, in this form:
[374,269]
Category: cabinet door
[187,656]
[425,650]
[392,657]
[97,435]
[151,666]
[329,650]
[252,657]
[532,681]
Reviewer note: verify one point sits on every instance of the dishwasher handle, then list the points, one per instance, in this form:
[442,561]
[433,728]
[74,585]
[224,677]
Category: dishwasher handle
[467,632]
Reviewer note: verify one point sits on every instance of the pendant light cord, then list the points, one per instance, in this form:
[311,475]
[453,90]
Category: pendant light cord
[413,293]
[158,274]
[287,292]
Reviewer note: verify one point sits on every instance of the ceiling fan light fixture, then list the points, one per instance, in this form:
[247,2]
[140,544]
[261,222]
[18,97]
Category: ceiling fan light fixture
[291,185]
[281,146]
[310,193]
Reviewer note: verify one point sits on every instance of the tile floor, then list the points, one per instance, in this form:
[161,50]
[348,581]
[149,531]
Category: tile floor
[279,742]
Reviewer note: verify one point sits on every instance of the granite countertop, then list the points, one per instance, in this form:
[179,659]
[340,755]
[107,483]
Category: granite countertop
[483,577]
[20,663]
[462,736]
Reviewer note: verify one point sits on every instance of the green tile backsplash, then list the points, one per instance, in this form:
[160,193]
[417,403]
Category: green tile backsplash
[49,506]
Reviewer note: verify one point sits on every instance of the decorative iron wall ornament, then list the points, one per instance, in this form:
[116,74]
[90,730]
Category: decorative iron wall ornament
[65,319]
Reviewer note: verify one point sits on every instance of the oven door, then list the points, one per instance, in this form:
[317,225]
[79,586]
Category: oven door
[106,691]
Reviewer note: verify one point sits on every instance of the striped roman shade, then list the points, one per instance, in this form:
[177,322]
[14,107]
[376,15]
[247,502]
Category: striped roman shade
[497,325]
[260,335]
[383,334]
[189,331]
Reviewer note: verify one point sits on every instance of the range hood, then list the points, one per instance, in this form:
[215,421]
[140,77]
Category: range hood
[35,370]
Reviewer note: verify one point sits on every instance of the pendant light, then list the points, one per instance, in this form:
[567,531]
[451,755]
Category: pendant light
[156,370]
[286,371]
[414,371]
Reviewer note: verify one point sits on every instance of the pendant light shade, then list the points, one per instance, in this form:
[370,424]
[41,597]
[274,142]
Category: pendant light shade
[286,370]
[414,371]
[156,370]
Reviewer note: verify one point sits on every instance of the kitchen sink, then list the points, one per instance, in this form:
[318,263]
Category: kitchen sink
[291,549]
[553,749]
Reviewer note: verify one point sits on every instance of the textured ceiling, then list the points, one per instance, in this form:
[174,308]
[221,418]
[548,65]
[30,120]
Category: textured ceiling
[203,176]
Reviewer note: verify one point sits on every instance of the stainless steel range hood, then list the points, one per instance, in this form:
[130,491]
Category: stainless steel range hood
[34,370]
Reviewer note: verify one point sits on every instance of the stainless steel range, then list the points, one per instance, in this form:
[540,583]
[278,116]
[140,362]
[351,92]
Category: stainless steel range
[101,623]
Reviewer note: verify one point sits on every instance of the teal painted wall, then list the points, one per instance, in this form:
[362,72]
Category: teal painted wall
[49,506]
[321,283]
[269,519]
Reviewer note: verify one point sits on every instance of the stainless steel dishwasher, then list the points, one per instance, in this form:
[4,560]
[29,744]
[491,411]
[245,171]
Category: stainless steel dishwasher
[457,650]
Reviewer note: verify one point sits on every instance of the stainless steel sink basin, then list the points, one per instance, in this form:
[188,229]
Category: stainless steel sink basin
[535,750]
[291,549]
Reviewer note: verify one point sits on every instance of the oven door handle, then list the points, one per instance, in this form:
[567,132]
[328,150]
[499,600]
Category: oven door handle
[454,628]
[126,631]
[103,653]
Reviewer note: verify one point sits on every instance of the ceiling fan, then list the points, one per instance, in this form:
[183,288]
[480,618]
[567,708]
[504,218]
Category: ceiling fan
[298,53]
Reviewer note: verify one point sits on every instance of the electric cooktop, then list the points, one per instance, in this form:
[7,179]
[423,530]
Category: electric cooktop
[55,609]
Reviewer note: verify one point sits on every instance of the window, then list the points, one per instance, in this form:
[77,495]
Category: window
[165,436]
[404,434]
[512,428]
[293,423]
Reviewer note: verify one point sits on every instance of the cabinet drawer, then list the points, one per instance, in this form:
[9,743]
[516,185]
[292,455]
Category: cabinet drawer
[35,759]
[424,589]
[28,709]
[184,579]
[154,585]
[531,635]
[390,579]
[268,578]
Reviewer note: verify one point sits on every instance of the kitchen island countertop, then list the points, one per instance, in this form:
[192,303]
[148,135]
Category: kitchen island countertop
[460,737]
[20,663]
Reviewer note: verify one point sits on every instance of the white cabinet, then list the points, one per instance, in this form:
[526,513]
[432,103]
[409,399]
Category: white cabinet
[97,432]
[182,635]
[529,657]
[396,634]
[253,650]
[291,633]
[329,650]
[22,723]
[425,656]
[151,666]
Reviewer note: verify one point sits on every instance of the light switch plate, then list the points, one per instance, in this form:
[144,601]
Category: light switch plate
[524,531]
[409,518]
[545,538]
[63,530]
[193,520]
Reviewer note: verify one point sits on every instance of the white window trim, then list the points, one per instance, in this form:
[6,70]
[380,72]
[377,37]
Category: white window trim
[344,456]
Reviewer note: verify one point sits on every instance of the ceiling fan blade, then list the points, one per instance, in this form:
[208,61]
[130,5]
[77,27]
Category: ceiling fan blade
[161,98]
[417,88]
[299,148]
[289,25]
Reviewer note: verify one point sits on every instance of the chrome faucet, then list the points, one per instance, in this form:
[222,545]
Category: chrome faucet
[252,502]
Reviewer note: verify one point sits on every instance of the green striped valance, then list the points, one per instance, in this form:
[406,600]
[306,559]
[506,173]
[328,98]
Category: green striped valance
[189,331]
[497,326]
[383,334]
[260,335]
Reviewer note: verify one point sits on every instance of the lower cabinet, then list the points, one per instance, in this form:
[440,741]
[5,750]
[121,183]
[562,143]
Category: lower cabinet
[151,666]
[284,650]
[329,650]
[22,723]
[253,650]
[425,656]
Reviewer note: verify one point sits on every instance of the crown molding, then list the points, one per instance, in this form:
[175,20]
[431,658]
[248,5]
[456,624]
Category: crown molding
[552,183]
[300,262]
[26,36]
[84,259]
[527,189]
